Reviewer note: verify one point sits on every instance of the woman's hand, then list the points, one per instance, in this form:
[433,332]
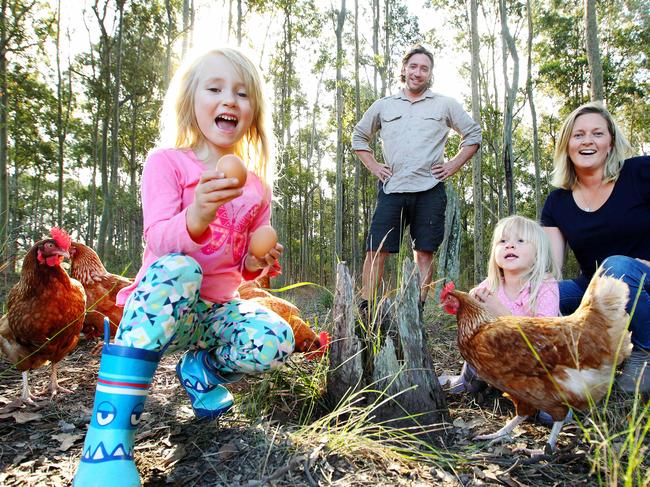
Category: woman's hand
[253,263]
[212,191]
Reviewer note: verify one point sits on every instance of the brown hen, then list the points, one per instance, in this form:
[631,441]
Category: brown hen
[307,341]
[574,356]
[45,312]
[101,290]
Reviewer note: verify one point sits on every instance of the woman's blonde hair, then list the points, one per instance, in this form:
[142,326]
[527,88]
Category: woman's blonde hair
[179,127]
[543,263]
[564,175]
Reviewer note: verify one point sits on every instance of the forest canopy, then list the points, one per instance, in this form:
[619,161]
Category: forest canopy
[81,88]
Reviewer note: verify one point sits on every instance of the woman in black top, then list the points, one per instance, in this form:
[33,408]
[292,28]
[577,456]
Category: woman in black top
[602,211]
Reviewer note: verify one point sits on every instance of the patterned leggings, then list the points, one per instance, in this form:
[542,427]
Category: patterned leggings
[165,313]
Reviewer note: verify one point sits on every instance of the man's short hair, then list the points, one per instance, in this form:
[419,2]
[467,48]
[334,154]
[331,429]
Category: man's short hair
[416,49]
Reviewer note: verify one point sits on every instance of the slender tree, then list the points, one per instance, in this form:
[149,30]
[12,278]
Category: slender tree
[593,51]
[338,221]
[477,176]
[511,87]
[533,111]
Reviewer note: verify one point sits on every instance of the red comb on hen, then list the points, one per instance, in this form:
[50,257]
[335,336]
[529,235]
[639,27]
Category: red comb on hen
[324,341]
[61,238]
[445,290]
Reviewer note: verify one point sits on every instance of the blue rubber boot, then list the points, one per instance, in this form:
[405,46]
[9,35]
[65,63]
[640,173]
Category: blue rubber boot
[125,375]
[203,383]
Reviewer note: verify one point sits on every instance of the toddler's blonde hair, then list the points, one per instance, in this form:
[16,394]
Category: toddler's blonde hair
[179,127]
[543,263]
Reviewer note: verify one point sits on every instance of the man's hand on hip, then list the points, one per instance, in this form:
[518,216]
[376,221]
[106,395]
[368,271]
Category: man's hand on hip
[444,170]
[381,171]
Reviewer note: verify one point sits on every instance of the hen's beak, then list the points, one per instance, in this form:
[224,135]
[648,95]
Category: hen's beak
[61,252]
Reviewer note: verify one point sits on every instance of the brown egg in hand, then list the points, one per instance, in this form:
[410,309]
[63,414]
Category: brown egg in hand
[233,167]
[263,240]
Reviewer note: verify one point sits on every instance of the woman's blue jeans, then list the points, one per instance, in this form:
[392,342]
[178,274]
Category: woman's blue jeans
[632,272]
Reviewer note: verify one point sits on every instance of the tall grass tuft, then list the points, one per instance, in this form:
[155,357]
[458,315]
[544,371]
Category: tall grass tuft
[352,430]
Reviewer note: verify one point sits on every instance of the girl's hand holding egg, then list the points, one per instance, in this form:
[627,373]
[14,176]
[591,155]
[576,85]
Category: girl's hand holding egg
[264,248]
[215,188]
[233,167]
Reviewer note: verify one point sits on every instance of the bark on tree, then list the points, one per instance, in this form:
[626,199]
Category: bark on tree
[239,22]
[169,27]
[346,364]
[338,220]
[356,253]
[4,174]
[511,86]
[62,119]
[533,112]
[188,16]
[477,177]
[597,91]
[449,251]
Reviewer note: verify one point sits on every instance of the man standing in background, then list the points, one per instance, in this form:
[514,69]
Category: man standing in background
[413,126]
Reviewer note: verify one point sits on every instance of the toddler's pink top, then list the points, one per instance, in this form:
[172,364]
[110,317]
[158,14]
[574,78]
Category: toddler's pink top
[548,299]
[168,182]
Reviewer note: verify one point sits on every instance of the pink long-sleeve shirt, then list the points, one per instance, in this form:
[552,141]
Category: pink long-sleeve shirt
[168,182]
[548,299]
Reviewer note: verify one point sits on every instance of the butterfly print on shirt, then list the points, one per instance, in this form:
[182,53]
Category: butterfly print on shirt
[232,230]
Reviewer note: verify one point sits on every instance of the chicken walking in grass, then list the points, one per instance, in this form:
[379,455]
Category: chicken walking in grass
[521,281]
[101,290]
[307,341]
[549,364]
[45,312]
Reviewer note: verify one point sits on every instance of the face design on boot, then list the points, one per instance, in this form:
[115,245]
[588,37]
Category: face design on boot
[113,421]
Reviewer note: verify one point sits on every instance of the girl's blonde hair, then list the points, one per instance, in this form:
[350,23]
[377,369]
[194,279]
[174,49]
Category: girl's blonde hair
[179,127]
[543,263]
[564,175]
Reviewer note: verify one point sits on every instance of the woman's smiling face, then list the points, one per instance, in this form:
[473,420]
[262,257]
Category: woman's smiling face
[590,141]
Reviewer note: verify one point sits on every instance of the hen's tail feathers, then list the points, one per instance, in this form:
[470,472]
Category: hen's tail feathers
[607,296]
[9,347]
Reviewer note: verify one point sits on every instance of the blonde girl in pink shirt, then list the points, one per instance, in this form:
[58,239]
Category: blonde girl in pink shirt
[197,227]
[522,281]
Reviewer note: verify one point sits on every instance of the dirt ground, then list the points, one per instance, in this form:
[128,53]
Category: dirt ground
[259,442]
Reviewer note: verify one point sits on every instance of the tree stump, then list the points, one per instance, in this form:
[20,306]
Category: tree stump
[400,368]
[346,362]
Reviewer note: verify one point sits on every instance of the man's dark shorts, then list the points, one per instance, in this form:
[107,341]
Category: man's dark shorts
[423,212]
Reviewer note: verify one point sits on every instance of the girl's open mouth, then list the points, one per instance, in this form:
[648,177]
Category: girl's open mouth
[226,122]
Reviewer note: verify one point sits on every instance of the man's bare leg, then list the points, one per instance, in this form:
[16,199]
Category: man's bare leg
[424,261]
[373,270]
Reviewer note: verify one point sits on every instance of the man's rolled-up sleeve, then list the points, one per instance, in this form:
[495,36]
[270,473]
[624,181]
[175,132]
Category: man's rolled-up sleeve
[366,128]
[466,126]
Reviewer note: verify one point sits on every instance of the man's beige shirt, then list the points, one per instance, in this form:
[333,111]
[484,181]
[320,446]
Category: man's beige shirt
[413,136]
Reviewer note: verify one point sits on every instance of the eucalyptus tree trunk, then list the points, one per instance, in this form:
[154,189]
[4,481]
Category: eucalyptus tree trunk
[511,86]
[239,22]
[105,42]
[62,119]
[4,173]
[597,91]
[338,220]
[375,43]
[356,254]
[477,176]
[169,31]
[91,230]
[449,251]
[533,111]
[188,13]
[386,67]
